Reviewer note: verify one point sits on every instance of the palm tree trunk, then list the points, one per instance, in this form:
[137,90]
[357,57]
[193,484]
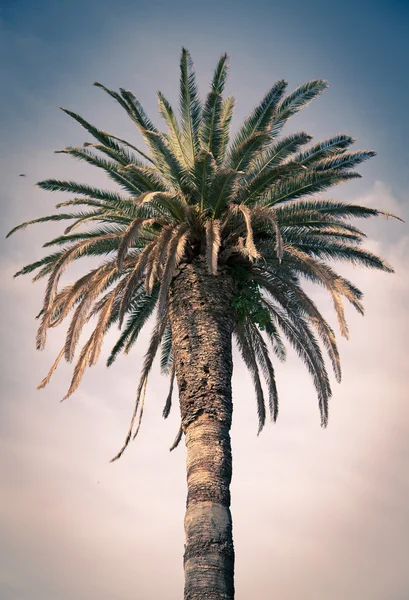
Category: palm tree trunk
[202,321]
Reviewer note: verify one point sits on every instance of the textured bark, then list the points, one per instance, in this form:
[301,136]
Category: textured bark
[202,320]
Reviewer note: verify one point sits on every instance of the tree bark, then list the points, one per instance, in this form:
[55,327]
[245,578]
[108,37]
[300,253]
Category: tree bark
[202,320]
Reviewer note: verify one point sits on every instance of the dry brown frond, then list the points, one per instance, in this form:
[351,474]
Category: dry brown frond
[70,255]
[177,439]
[270,216]
[80,367]
[100,329]
[176,251]
[81,314]
[130,236]
[47,378]
[156,259]
[250,247]
[212,244]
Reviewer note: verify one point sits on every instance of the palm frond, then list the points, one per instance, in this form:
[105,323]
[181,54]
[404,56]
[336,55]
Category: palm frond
[303,341]
[221,190]
[110,167]
[345,160]
[263,359]
[174,135]
[304,184]
[277,153]
[55,364]
[190,107]
[292,103]
[147,365]
[140,310]
[260,118]
[211,127]
[334,145]
[247,352]
[106,139]
[175,254]
[227,109]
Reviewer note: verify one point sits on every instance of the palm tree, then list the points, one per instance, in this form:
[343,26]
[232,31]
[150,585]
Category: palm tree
[214,238]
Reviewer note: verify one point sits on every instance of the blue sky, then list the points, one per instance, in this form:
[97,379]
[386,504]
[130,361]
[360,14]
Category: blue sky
[325,513]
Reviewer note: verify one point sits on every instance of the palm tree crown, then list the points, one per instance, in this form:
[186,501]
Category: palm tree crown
[245,205]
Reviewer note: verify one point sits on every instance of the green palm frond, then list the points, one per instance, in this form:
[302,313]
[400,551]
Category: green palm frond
[295,101]
[167,163]
[205,169]
[227,109]
[329,209]
[247,352]
[278,152]
[141,309]
[334,145]
[211,131]
[106,140]
[345,160]
[55,185]
[174,134]
[260,118]
[47,219]
[190,107]
[263,359]
[166,359]
[304,184]
[300,336]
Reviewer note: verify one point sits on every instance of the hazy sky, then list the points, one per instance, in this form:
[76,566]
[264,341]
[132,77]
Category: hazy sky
[318,514]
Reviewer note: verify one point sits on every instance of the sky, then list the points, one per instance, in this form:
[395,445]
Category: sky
[317,513]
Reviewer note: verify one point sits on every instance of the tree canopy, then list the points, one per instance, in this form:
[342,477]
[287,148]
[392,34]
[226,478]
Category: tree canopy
[251,202]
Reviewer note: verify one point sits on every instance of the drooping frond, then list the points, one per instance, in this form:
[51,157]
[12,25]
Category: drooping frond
[176,250]
[177,439]
[147,365]
[166,359]
[55,364]
[247,352]
[299,334]
[168,403]
[263,359]
[138,314]
[213,240]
